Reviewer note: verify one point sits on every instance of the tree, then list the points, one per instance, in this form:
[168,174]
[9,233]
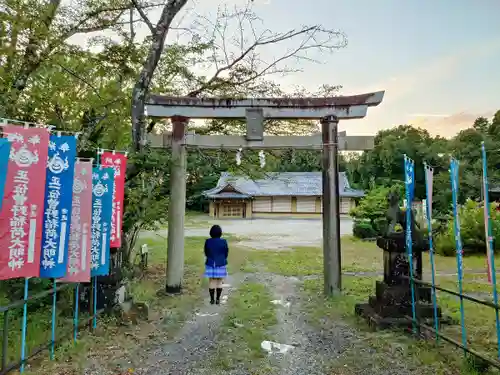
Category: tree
[384,165]
[34,32]
[236,65]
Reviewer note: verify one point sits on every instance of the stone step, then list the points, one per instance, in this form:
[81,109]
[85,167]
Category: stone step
[395,293]
[424,310]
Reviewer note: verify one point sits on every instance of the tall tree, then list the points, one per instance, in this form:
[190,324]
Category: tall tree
[236,64]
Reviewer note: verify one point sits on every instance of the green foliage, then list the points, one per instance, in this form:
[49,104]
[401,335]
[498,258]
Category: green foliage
[363,229]
[471,229]
[370,213]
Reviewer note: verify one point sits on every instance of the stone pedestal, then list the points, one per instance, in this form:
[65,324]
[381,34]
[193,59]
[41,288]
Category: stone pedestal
[391,305]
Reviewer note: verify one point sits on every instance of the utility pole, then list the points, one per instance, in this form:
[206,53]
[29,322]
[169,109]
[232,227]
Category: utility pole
[331,210]
[176,207]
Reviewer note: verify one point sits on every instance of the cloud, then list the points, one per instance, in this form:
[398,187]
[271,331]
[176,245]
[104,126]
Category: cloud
[426,76]
[427,115]
[447,126]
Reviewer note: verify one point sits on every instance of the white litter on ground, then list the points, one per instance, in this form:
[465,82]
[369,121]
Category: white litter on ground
[226,285]
[281,302]
[274,347]
[205,314]
[223,299]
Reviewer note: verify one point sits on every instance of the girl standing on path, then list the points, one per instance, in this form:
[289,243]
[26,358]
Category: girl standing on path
[216,252]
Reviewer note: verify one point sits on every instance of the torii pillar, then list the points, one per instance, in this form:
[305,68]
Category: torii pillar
[328,110]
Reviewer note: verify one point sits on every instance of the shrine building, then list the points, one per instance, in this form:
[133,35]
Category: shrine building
[277,194]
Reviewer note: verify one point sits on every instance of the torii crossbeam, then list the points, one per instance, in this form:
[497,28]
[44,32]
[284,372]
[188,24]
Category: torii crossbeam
[328,110]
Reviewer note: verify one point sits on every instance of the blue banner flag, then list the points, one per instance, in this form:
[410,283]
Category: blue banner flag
[454,193]
[410,192]
[57,206]
[4,162]
[102,210]
[458,242]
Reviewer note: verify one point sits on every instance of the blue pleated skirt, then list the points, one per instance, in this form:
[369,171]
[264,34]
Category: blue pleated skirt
[216,272]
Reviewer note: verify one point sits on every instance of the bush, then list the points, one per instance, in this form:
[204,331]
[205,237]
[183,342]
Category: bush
[363,229]
[471,229]
[370,213]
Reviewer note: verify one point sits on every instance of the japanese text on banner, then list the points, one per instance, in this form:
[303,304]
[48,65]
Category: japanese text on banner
[118,162]
[57,208]
[410,192]
[21,216]
[102,207]
[4,161]
[78,267]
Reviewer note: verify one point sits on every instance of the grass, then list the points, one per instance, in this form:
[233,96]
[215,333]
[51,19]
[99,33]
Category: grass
[249,322]
[113,344]
[365,256]
[384,347]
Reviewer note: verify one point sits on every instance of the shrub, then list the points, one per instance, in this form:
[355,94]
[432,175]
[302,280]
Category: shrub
[363,229]
[471,229]
[372,209]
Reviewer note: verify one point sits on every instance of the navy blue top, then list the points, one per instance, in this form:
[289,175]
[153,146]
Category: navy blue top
[216,251]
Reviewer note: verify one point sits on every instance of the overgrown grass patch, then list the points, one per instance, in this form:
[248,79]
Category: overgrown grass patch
[381,348]
[249,321]
[307,261]
[114,345]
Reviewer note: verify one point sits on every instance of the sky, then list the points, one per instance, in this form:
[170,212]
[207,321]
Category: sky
[437,60]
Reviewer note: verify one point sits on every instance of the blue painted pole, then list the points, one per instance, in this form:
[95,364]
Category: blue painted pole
[409,242]
[94,319]
[53,336]
[75,319]
[458,243]
[491,253]
[25,323]
[428,193]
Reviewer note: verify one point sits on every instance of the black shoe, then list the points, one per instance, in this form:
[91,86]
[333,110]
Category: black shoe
[212,293]
[219,292]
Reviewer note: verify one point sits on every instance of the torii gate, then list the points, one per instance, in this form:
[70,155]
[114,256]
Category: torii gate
[328,110]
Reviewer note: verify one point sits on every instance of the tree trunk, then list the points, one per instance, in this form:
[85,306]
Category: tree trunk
[141,87]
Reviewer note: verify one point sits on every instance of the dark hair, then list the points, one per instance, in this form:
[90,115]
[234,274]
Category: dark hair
[216,231]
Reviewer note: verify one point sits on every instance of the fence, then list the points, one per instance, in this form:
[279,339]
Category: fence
[436,329]
[417,323]
[78,320]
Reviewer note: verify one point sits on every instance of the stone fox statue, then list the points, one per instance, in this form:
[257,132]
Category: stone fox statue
[397,216]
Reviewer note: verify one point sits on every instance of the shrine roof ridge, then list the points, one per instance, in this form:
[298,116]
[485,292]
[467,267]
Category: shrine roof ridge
[369,99]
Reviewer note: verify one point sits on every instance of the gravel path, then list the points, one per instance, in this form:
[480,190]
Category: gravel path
[187,353]
[272,234]
[309,356]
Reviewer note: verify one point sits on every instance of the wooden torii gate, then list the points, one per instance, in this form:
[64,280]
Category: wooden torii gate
[328,110]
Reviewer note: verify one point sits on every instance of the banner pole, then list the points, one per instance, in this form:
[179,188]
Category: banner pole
[489,243]
[25,322]
[458,244]
[428,193]
[94,319]
[75,319]
[53,339]
[409,180]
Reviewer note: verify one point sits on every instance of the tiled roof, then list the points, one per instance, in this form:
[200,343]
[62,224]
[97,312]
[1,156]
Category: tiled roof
[285,183]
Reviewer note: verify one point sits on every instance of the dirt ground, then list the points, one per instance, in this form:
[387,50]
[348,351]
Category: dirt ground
[273,234]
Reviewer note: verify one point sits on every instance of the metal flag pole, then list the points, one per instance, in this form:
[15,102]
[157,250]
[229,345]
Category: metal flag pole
[25,322]
[489,243]
[54,306]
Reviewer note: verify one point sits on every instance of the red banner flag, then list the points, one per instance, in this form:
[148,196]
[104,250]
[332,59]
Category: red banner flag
[81,219]
[119,163]
[21,217]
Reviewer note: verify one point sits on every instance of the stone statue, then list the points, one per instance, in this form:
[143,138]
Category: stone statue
[391,304]
[395,215]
